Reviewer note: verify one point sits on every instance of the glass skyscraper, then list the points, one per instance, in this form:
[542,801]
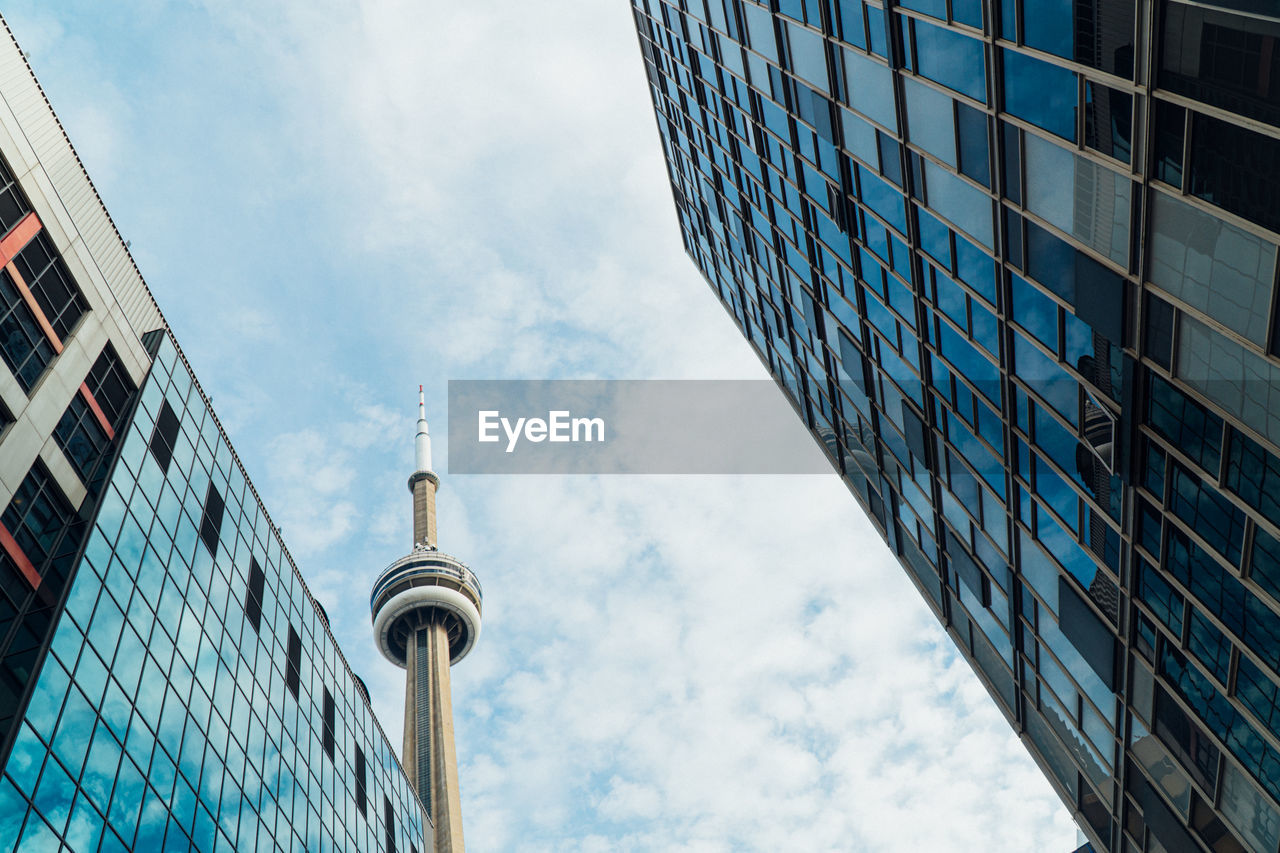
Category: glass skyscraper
[167,681]
[1014,262]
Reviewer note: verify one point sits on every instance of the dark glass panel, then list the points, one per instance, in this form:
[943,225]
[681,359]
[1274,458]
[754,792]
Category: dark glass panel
[362,783]
[1098,33]
[51,284]
[1254,474]
[1011,139]
[23,344]
[293,664]
[211,519]
[1169,132]
[1108,120]
[1223,59]
[975,158]
[1158,331]
[1189,426]
[253,595]
[1236,169]
[164,435]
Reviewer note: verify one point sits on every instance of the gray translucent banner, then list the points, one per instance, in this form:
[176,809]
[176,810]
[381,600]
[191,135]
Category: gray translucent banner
[627,427]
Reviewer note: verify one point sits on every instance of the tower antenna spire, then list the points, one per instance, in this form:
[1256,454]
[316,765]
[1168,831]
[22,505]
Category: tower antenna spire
[422,447]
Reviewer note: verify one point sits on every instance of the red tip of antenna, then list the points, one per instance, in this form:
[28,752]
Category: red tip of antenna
[419,389]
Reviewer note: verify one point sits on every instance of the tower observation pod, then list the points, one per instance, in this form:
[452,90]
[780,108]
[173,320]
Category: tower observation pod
[426,617]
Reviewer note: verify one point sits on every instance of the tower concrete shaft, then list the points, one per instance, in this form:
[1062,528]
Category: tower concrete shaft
[426,617]
[429,757]
[424,510]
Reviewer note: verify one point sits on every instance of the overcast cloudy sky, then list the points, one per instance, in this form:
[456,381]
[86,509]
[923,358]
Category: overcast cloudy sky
[336,201]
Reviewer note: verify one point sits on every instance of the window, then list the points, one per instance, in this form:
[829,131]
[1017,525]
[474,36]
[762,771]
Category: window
[330,723]
[1221,58]
[929,120]
[1108,120]
[1040,93]
[110,385]
[975,158]
[1207,512]
[82,439]
[253,595]
[1189,744]
[1158,331]
[1165,602]
[848,14]
[1190,427]
[1240,380]
[390,817]
[13,204]
[1235,169]
[23,344]
[362,801]
[1078,196]
[1254,475]
[37,514]
[1222,270]
[1170,131]
[164,436]
[869,88]
[960,202]
[1248,811]
[293,666]
[51,284]
[1209,646]
[946,56]
[211,519]
[807,55]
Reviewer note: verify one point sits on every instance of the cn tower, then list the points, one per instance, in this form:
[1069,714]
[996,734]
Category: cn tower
[426,617]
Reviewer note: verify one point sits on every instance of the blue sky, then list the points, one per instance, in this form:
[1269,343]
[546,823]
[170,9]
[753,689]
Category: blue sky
[334,202]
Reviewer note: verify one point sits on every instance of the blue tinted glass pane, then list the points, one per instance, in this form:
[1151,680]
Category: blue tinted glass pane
[760,29]
[1047,378]
[971,128]
[954,60]
[962,203]
[935,238]
[951,300]
[929,122]
[809,57]
[1008,19]
[967,12]
[870,88]
[1048,25]
[976,269]
[1040,93]
[876,31]
[1034,311]
[852,29]
[883,199]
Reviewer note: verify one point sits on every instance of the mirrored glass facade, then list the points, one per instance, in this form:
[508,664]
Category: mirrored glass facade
[167,682]
[192,696]
[1014,263]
